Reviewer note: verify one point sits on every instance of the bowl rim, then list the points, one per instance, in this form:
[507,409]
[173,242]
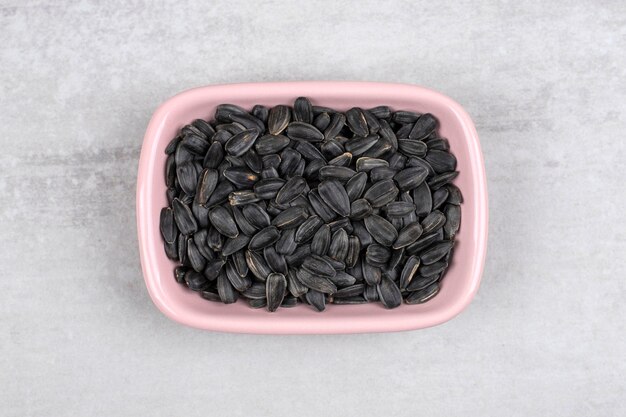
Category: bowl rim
[145,230]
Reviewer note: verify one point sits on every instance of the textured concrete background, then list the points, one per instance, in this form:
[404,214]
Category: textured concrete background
[545,84]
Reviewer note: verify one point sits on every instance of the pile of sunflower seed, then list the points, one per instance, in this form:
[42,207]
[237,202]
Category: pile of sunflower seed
[308,204]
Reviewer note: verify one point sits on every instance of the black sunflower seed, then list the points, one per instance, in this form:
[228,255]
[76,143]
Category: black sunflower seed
[454,195]
[256,291]
[355,120]
[195,144]
[241,142]
[302,110]
[286,244]
[248,121]
[206,185]
[389,293]
[292,189]
[308,151]
[220,194]
[438,144]
[239,261]
[366,163]
[170,171]
[238,282]
[408,235]
[289,162]
[356,185]
[410,178]
[382,173]
[377,255]
[316,299]
[381,112]
[243,197]
[304,131]
[257,265]
[270,172]
[319,266]
[414,161]
[197,261]
[321,240]
[388,135]
[261,112]
[423,295]
[307,229]
[343,279]
[371,293]
[403,132]
[200,239]
[424,126]
[223,221]
[354,248]
[256,215]
[419,282]
[172,145]
[271,144]
[315,281]
[436,252]
[224,111]
[453,220]
[241,177]
[381,230]
[167,225]
[331,149]
[399,208]
[422,198]
[253,161]
[349,300]
[397,256]
[179,274]
[440,180]
[259,303]
[371,274]
[441,161]
[185,221]
[365,239]
[397,161]
[296,258]
[290,218]
[335,196]
[187,177]
[214,239]
[350,290]
[339,245]
[278,119]
[337,122]
[322,121]
[294,286]
[196,281]
[412,147]
[409,271]
[372,122]
[275,260]
[404,117]
[424,241]
[264,238]
[339,173]
[267,188]
[243,224]
[359,209]
[312,170]
[225,289]
[342,160]
[433,221]
[275,286]
[381,193]
[235,244]
[213,268]
[439,197]
[359,145]
[432,269]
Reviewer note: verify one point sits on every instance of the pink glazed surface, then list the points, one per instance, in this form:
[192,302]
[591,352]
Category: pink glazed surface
[180,304]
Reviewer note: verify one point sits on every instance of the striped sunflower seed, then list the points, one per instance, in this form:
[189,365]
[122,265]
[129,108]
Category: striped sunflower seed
[264,238]
[381,193]
[408,235]
[223,221]
[389,293]
[316,299]
[185,221]
[423,295]
[335,196]
[278,119]
[315,281]
[381,230]
[339,245]
[257,265]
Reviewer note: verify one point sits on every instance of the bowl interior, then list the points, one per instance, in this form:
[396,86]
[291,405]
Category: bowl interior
[459,284]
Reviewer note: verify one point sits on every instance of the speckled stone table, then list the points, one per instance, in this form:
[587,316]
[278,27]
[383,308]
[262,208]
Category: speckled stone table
[545,85]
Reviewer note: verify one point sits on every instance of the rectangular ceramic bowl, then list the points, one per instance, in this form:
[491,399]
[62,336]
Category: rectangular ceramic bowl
[184,306]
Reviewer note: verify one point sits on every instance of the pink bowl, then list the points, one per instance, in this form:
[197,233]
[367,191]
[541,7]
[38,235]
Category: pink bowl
[182,305]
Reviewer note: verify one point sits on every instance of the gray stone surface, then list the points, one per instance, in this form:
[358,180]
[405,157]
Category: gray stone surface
[545,84]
